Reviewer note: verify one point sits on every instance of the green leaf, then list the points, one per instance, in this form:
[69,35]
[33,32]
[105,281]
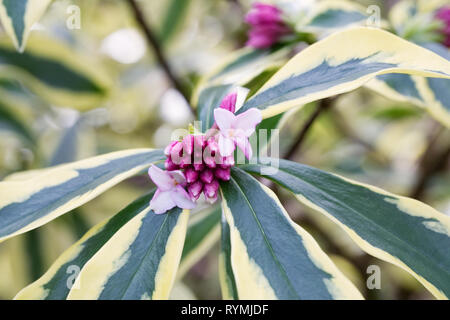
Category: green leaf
[340,63]
[53,285]
[11,120]
[271,256]
[173,18]
[330,15]
[436,91]
[258,81]
[432,94]
[139,261]
[202,233]
[242,67]
[54,72]
[67,148]
[209,100]
[19,16]
[43,195]
[397,86]
[244,64]
[396,229]
[271,125]
[226,275]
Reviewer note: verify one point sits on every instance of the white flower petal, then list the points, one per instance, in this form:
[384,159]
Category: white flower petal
[242,94]
[161,178]
[162,202]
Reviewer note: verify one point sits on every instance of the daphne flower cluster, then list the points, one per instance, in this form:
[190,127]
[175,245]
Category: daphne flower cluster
[443,14]
[197,164]
[267,25]
[202,163]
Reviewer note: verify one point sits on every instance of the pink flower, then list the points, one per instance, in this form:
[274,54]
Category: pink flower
[267,25]
[170,192]
[235,130]
[444,15]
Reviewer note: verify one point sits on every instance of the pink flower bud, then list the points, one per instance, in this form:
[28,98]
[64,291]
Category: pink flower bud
[199,144]
[176,152]
[207,176]
[212,145]
[188,144]
[211,154]
[210,162]
[170,166]
[443,14]
[199,141]
[211,191]
[191,175]
[199,166]
[195,189]
[227,162]
[185,161]
[222,174]
[267,25]
[262,13]
[168,149]
[229,102]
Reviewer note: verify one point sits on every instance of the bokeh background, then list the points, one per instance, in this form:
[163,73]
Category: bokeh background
[364,136]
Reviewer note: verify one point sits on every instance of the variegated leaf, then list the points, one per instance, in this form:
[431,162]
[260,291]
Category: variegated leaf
[202,233]
[42,196]
[400,230]
[329,15]
[226,275]
[340,63]
[241,67]
[19,16]
[55,72]
[139,261]
[271,256]
[56,283]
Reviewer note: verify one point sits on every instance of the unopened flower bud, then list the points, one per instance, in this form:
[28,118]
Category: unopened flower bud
[191,175]
[168,149]
[188,144]
[207,176]
[210,161]
[229,102]
[199,166]
[176,152]
[211,191]
[170,166]
[227,162]
[222,174]
[195,189]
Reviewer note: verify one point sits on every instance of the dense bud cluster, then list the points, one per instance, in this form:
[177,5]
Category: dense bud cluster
[203,166]
[443,14]
[267,25]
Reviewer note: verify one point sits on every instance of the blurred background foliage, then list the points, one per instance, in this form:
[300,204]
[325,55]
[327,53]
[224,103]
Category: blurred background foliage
[78,93]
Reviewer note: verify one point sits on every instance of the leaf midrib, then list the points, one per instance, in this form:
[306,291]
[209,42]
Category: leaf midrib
[144,257]
[265,238]
[424,255]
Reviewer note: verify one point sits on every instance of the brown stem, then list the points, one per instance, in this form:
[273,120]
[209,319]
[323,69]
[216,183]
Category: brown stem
[342,126]
[324,104]
[154,44]
[430,164]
